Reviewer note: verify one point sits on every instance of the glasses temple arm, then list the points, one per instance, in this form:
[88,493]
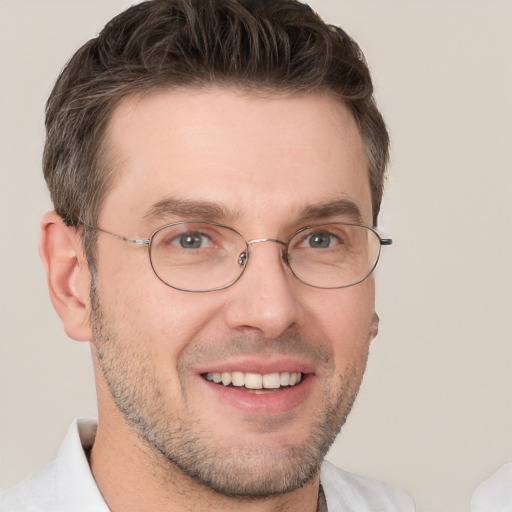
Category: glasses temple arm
[123,238]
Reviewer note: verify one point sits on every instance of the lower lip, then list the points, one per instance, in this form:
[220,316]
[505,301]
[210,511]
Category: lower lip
[276,402]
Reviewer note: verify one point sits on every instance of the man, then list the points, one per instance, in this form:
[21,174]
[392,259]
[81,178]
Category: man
[216,170]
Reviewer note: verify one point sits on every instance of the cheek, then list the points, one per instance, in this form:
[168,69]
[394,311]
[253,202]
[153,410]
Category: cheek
[345,318]
[163,320]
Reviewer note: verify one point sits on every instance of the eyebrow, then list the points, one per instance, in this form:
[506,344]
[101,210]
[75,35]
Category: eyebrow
[205,210]
[336,208]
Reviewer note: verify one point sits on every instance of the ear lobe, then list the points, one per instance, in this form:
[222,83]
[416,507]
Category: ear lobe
[374,326]
[67,274]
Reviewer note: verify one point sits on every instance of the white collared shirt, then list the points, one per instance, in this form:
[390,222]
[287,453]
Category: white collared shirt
[67,484]
[495,493]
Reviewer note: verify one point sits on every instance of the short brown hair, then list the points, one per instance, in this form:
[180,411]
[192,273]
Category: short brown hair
[264,45]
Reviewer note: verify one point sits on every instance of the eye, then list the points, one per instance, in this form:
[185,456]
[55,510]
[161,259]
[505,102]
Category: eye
[321,240]
[192,240]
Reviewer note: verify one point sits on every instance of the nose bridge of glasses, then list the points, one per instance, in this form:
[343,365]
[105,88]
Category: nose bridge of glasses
[258,240]
[243,257]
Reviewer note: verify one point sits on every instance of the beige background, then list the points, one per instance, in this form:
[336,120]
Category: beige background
[434,415]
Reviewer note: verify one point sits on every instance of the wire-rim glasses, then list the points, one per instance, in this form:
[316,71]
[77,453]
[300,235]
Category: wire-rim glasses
[205,256]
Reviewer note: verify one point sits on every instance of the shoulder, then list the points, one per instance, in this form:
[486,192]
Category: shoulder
[35,493]
[494,493]
[354,493]
[64,485]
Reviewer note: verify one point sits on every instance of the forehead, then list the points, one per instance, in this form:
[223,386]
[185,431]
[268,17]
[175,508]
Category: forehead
[265,156]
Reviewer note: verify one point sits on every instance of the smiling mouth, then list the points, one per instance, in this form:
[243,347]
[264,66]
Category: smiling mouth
[255,381]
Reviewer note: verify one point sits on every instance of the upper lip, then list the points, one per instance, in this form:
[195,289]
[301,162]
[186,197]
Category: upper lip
[278,364]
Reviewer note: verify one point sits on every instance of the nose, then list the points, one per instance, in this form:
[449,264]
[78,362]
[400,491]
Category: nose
[264,299]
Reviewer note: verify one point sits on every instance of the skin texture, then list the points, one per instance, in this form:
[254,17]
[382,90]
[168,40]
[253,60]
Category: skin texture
[262,162]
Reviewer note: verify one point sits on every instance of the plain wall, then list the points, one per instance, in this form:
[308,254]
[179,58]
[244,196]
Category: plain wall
[434,415]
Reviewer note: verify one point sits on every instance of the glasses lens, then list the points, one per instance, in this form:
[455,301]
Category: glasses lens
[333,255]
[197,256]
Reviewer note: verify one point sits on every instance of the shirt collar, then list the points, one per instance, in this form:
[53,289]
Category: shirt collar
[74,479]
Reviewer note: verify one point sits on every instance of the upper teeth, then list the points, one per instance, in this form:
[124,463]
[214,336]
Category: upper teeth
[255,380]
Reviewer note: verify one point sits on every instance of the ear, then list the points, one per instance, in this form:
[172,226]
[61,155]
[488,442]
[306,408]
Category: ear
[67,274]
[374,326]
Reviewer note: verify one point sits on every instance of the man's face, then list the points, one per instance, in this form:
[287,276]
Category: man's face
[265,166]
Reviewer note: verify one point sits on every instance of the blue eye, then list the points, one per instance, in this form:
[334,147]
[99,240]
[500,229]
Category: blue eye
[321,240]
[192,240]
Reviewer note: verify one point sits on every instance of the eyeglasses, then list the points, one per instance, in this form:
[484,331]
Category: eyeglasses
[204,256]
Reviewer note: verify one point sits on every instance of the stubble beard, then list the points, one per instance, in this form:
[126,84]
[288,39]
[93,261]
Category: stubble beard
[251,472]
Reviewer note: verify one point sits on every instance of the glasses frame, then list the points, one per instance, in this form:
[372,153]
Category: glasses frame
[284,254]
